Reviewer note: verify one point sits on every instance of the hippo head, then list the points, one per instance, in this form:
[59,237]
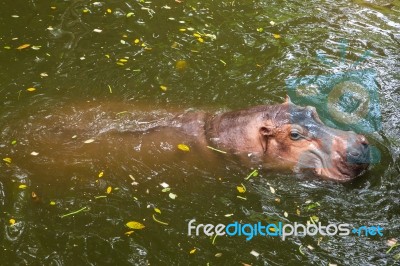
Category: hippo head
[295,136]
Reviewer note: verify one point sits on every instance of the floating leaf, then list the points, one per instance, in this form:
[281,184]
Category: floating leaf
[52,203]
[24,46]
[228,215]
[183,147]
[36,47]
[218,255]
[314,219]
[164,185]
[97,30]
[181,65]
[22,186]
[253,173]
[272,190]
[12,221]
[254,253]
[166,189]
[260,29]
[285,214]
[101,174]
[277,36]
[109,189]
[172,195]
[313,205]
[34,153]
[134,225]
[158,221]
[34,195]
[31,89]
[157,210]
[136,41]
[88,141]
[241,188]
[200,40]
[164,88]
[13,142]
[272,23]
[109,10]
[193,251]
[130,14]
[129,233]
[7,160]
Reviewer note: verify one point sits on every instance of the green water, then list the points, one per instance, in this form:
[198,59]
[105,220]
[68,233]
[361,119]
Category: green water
[209,55]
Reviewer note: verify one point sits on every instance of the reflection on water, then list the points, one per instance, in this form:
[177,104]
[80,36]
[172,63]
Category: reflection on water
[209,55]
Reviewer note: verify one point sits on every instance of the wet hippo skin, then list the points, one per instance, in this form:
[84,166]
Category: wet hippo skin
[281,136]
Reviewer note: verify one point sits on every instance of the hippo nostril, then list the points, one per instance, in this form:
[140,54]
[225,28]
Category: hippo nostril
[354,153]
[363,140]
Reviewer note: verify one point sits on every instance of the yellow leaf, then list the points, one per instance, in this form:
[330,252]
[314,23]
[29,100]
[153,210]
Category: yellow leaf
[123,60]
[22,186]
[109,189]
[285,214]
[181,64]
[24,46]
[136,41]
[12,221]
[109,10]
[101,174]
[164,88]
[241,189]
[193,251]
[52,203]
[272,229]
[197,35]
[31,89]
[277,36]
[157,210]
[135,225]
[129,233]
[182,30]
[200,39]
[183,147]
[7,160]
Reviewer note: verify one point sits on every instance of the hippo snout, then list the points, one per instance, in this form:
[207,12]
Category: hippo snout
[358,151]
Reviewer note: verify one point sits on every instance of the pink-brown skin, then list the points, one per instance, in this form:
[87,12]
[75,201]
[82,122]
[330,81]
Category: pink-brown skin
[292,137]
[123,134]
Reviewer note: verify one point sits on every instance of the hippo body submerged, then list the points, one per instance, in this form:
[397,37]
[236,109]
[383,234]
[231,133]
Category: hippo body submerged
[283,136]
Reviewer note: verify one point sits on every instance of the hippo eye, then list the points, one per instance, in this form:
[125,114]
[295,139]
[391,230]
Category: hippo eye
[295,135]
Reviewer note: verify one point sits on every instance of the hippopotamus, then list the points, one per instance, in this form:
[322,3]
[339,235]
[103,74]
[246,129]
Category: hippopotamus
[283,136]
[280,136]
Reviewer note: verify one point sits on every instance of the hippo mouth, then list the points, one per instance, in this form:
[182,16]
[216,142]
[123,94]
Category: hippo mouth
[334,167]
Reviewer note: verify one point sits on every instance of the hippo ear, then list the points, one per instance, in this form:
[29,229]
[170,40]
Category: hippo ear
[266,130]
[287,99]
